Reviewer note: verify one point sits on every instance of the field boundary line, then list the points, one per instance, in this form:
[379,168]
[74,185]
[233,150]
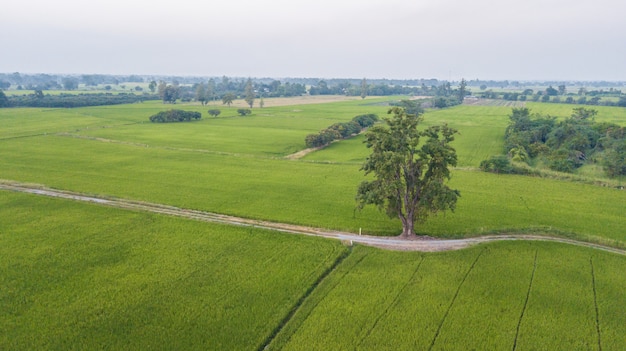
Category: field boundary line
[392,304]
[456,294]
[521,317]
[309,309]
[303,298]
[595,303]
[385,242]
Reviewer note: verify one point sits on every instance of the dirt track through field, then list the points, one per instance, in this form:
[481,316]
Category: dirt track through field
[390,243]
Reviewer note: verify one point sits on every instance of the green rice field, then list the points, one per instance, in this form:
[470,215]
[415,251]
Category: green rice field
[77,276]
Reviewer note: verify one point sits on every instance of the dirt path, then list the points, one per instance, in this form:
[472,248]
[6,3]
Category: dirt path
[390,243]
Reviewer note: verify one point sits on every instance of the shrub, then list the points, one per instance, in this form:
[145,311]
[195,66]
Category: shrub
[497,164]
[214,112]
[244,111]
[175,116]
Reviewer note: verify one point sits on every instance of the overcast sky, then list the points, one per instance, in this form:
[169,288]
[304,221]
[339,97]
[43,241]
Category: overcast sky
[402,39]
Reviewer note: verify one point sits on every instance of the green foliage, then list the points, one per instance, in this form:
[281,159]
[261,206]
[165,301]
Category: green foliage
[244,111]
[38,99]
[249,93]
[413,107]
[497,164]
[214,112]
[227,99]
[443,102]
[366,121]
[409,178]
[4,102]
[340,130]
[175,116]
[565,145]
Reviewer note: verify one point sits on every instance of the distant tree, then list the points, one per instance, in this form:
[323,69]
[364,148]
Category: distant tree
[210,90]
[584,114]
[408,177]
[582,91]
[138,88]
[227,99]
[562,89]
[249,93]
[214,112]
[70,83]
[201,95]
[550,91]
[244,111]
[527,92]
[107,87]
[175,116]
[4,101]
[152,86]
[261,102]
[412,107]
[363,88]
[483,87]
[170,94]
[38,94]
[161,89]
[462,90]
[4,84]
[622,101]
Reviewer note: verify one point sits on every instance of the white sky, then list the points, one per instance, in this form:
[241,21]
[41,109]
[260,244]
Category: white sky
[444,39]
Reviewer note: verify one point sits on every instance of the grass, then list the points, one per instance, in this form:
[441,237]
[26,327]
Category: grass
[82,276]
[465,300]
[78,276]
[171,164]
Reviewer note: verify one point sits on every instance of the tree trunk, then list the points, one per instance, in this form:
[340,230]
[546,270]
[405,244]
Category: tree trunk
[407,228]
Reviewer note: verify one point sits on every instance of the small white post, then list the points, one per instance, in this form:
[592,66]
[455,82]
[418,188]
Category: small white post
[359,231]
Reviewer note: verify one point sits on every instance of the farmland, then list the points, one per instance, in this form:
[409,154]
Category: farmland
[82,276]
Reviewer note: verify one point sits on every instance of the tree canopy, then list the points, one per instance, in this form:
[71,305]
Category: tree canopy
[175,116]
[565,145]
[410,167]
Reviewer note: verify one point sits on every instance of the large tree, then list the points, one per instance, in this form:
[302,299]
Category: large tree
[227,99]
[249,93]
[410,167]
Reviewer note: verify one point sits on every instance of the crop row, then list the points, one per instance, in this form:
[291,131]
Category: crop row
[474,299]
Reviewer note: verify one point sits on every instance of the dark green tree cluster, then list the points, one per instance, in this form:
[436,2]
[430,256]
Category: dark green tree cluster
[175,116]
[214,112]
[4,101]
[413,107]
[340,130]
[169,93]
[38,99]
[244,111]
[610,97]
[563,145]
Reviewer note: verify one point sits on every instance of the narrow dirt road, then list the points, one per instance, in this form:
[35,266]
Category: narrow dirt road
[390,243]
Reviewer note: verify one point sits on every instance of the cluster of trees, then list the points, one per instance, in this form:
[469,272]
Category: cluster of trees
[175,116]
[38,99]
[340,130]
[214,112]
[244,111]
[563,145]
[560,95]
